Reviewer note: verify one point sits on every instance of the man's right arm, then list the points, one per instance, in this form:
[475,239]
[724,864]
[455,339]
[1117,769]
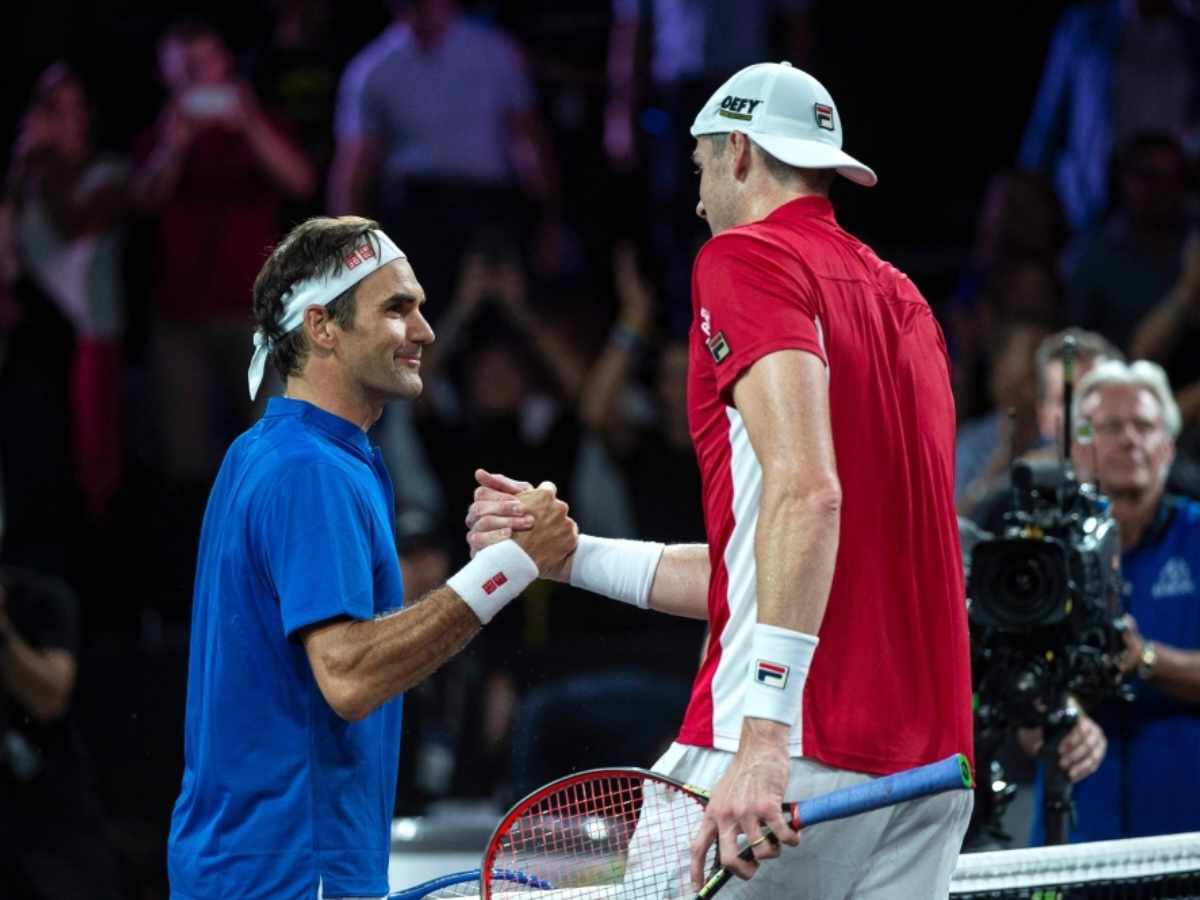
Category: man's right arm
[361,664]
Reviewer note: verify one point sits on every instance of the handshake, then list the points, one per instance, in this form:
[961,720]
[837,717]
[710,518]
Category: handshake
[534,518]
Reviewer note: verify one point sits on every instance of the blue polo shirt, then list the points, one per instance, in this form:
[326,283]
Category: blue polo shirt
[279,793]
[1148,783]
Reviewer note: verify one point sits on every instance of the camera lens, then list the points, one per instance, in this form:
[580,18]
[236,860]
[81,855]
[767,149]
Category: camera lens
[1019,583]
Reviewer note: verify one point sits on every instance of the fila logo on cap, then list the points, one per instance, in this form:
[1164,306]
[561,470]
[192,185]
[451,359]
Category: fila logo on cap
[824,115]
[496,581]
[771,674]
[731,108]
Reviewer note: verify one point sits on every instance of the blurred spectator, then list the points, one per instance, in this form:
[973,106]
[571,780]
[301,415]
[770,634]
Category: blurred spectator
[502,386]
[665,58]
[1090,349]
[1020,219]
[1146,784]
[988,444]
[1169,334]
[645,433]
[1120,270]
[1114,69]
[53,842]
[213,171]
[65,201]
[295,76]
[502,380]
[438,137]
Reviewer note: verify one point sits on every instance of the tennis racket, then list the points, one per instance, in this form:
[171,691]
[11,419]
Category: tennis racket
[625,834]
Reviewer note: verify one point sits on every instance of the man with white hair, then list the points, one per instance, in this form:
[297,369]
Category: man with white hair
[1147,783]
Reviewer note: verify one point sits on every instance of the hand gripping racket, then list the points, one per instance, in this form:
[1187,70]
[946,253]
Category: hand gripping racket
[625,834]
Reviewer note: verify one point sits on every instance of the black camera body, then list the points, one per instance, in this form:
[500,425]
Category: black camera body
[1044,597]
[1044,606]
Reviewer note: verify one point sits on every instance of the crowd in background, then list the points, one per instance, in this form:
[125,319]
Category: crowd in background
[543,197]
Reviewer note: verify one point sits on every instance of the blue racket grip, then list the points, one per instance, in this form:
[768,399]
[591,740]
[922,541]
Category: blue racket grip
[952,772]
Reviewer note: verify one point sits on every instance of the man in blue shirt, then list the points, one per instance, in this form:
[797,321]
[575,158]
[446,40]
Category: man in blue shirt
[301,643]
[1147,783]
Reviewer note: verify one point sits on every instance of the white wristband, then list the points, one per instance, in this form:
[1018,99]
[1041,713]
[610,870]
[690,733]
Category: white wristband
[495,576]
[622,570]
[779,663]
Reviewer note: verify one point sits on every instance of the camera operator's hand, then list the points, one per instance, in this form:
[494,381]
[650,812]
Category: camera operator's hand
[1134,645]
[1082,750]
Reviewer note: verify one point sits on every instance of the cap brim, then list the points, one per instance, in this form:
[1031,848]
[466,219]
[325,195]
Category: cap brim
[807,154]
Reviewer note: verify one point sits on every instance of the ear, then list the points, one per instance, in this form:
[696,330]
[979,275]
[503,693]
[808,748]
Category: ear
[741,151]
[320,328]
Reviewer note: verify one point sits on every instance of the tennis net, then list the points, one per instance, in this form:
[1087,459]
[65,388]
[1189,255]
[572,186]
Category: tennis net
[1164,868]
[1158,868]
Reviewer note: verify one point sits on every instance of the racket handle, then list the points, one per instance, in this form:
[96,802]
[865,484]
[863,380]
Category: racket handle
[952,772]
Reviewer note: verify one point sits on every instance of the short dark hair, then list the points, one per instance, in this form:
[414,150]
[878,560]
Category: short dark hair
[1090,348]
[315,248]
[818,181]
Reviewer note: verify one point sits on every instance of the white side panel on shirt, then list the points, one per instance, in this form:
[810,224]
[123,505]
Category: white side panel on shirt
[733,672]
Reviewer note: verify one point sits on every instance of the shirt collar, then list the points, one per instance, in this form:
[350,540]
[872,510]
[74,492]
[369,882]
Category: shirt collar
[807,207]
[341,430]
[1164,515]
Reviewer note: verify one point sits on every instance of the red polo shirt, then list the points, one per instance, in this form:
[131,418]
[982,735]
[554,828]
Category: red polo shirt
[890,685]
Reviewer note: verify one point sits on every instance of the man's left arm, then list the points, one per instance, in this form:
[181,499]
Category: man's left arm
[783,399]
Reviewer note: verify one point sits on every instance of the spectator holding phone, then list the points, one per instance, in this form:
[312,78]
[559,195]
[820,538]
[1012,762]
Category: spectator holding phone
[214,171]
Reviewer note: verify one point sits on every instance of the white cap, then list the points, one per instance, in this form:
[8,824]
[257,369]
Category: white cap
[788,113]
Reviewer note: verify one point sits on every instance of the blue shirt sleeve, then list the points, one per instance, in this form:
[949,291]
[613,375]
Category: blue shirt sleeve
[316,531]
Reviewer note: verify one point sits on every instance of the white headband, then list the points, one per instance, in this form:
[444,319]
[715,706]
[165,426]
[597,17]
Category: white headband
[359,263]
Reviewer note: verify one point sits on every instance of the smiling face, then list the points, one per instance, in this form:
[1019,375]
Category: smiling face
[381,352]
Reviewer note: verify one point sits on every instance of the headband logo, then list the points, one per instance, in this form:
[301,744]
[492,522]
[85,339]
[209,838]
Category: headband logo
[359,255]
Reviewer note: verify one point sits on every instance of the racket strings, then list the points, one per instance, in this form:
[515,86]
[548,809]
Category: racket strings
[613,836]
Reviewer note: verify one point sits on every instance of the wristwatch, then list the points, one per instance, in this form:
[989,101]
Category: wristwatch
[1147,660]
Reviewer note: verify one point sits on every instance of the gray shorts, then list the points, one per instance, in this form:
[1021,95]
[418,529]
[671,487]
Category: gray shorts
[899,852]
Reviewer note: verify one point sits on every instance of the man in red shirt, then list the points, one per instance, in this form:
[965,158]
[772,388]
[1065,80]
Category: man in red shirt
[820,407]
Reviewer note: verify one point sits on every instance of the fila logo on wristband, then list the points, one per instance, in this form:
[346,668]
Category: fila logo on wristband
[496,581]
[771,674]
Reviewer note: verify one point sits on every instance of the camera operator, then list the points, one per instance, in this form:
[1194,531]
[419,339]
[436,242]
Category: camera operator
[1090,348]
[1147,782]
[52,839]
[1083,748]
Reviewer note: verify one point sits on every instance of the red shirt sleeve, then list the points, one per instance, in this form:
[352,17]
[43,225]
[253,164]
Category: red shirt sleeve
[755,298]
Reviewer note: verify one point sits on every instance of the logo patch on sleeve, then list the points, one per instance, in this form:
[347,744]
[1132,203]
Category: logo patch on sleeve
[771,674]
[824,115]
[718,347]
